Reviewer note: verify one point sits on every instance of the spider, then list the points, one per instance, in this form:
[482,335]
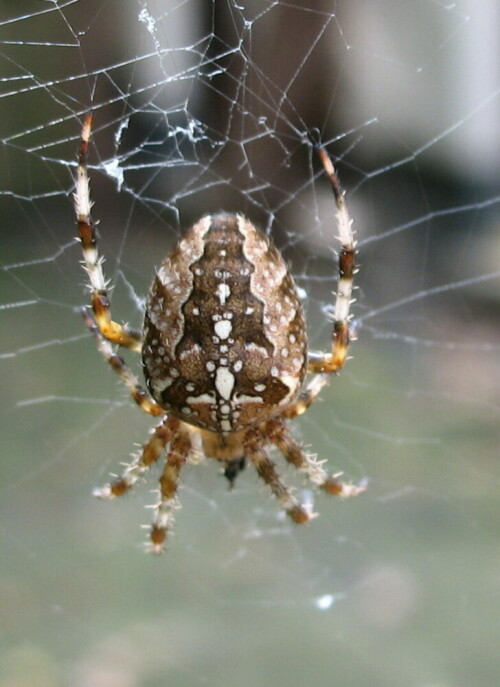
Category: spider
[224,352]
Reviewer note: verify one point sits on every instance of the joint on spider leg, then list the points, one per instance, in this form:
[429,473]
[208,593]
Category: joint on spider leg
[308,463]
[307,397]
[347,262]
[280,436]
[266,470]
[141,463]
[333,362]
[111,490]
[157,538]
[85,135]
[92,262]
[162,526]
[300,514]
[120,485]
[342,339]
[169,502]
[336,487]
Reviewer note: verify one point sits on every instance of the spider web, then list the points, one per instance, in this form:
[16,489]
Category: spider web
[200,106]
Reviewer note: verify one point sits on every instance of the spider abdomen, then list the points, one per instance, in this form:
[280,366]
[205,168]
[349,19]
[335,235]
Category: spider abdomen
[224,341]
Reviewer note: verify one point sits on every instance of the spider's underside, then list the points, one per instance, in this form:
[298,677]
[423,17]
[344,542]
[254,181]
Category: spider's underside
[224,349]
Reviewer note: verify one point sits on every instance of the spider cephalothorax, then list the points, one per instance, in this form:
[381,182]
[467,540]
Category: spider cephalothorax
[224,349]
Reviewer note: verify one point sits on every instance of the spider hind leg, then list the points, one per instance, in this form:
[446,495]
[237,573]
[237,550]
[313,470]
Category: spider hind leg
[168,432]
[136,470]
[279,434]
[254,446]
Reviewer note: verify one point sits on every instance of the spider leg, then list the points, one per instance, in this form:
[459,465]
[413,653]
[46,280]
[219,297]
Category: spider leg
[334,361]
[116,333]
[307,397]
[178,452]
[279,435]
[140,395]
[149,454]
[266,470]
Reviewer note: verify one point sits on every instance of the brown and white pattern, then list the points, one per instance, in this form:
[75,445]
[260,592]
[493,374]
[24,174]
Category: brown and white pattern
[224,350]
[224,345]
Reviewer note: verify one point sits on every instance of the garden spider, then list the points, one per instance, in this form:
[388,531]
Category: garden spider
[224,351]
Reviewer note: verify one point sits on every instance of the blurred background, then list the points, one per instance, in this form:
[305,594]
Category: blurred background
[200,106]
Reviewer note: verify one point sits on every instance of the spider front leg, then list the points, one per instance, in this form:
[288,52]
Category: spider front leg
[307,397]
[140,396]
[334,361]
[116,333]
